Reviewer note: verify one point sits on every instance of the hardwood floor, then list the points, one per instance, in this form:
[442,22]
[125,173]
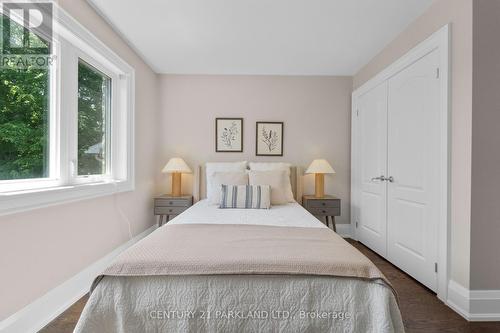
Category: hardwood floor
[66,322]
[422,311]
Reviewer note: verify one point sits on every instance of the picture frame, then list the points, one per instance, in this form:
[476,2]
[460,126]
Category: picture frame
[229,135]
[269,138]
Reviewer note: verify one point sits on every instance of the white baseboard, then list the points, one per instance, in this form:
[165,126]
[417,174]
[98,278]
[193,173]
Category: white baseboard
[474,305]
[344,230]
[459,299]
[42,311]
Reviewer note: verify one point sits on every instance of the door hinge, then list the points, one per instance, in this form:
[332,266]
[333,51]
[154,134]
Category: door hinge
[437,73]
[436,267]
[356,224]
[357,113]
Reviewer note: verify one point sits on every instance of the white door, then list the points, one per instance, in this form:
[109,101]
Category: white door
[413,162]
[372,129]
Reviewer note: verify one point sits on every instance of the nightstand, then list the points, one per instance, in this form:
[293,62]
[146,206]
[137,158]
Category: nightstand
[166,205]
[327,206]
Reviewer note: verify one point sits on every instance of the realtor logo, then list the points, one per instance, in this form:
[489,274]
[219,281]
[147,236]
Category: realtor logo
[26,38]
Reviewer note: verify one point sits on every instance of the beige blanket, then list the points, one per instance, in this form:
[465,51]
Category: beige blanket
[215,249]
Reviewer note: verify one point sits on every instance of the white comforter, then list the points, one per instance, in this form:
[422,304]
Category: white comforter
[241,303]
[289,215]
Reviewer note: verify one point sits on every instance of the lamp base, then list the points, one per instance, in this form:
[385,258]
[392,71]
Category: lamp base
[176,184]
[319,185]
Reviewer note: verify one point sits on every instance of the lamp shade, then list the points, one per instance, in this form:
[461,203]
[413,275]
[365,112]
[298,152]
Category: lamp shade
[320,166]
[176,164]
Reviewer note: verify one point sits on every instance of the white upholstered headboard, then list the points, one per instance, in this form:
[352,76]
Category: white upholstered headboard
[200,186]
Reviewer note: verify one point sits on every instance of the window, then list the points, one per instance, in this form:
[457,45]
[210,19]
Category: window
[24,110]
[66,129]
[24,123]
[94,105]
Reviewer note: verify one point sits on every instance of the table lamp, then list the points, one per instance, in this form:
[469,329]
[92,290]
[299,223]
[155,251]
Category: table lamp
[176,166]
[319,168]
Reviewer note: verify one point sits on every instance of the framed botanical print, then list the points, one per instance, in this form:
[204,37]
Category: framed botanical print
[269,138]
[229,135]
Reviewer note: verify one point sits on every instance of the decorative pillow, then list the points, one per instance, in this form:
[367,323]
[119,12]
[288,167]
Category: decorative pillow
[245,196]
[276,179]
[268,166]
[212,168]
[228,178]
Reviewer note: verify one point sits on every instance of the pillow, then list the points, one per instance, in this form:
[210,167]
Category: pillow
[228,178]
[211,168]
[263,166]
[277,179]
[245,196]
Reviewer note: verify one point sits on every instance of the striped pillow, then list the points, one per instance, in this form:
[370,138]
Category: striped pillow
[245,196]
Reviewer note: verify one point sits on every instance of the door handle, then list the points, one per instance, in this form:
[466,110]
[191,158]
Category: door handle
[384,178]
[381,178]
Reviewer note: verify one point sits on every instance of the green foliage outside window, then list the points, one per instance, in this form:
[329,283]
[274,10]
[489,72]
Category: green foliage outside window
[23,123]
[24,112]
[93,101]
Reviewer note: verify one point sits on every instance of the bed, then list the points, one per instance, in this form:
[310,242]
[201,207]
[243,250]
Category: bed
[232,284]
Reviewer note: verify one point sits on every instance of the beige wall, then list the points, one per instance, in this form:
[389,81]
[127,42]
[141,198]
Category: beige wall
[485,226]
[315,110]
[42,248]
[175,116]
[459,14]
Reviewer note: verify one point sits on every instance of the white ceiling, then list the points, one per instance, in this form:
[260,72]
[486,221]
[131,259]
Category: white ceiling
[284,37]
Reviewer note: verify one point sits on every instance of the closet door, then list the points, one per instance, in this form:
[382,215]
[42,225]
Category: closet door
[413,163]
[372,129]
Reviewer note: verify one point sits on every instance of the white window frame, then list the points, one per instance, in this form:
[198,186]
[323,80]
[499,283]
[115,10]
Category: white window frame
[78,55]
[71,41]
[52,179]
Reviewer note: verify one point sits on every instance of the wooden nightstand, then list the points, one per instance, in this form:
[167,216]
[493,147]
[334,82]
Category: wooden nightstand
[327,206]
[166,205]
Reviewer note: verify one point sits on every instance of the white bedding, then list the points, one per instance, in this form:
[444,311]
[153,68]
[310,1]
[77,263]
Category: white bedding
[182,303]
[289,215]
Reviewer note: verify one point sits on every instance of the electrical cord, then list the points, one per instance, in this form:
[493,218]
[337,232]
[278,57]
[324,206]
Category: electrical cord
[120,211]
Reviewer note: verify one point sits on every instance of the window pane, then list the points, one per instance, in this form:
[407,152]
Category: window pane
[94,101]
[17,39]
[24,118]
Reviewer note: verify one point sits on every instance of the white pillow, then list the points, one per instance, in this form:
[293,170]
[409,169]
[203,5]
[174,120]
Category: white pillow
[226,178]
[277,179]
[212,168]
[268,166]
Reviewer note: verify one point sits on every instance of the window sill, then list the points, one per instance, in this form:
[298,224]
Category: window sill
[21,201]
